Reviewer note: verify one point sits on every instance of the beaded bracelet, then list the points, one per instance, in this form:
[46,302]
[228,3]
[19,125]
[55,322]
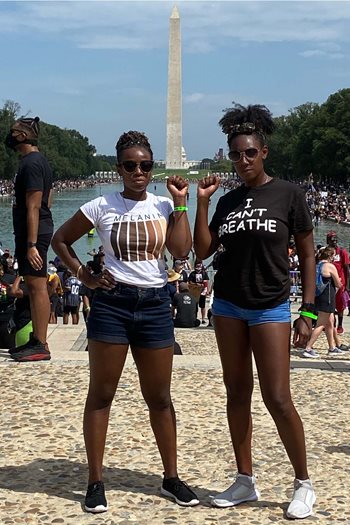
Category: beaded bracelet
[308,314]
[181,208]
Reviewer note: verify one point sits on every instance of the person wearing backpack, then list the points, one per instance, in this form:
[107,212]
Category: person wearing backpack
[327,281]
[341,262]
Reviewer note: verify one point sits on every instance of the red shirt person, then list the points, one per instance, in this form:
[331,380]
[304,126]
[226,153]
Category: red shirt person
[341,262]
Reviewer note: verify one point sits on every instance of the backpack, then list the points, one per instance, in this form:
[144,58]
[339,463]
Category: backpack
[320,284]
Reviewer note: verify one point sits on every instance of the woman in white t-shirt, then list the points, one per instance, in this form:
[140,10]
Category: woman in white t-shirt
[131,305]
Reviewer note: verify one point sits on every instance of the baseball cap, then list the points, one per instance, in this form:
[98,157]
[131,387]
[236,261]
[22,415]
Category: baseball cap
[51,269]
[331,234]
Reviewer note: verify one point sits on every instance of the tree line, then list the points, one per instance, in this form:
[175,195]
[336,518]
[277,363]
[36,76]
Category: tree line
[312,138]
[70,154]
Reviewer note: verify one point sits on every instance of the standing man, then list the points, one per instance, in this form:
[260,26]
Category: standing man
[199,278]
[341,262]
[71,297]
[33,229]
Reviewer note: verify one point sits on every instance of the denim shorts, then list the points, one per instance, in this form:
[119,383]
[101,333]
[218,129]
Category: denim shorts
[130,315]
[278,314]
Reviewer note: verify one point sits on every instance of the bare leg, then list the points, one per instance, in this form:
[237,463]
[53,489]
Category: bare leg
[329,331]
[322,322]
[271,348]
[236,358]
[155,368]
[39,305]
[106,365]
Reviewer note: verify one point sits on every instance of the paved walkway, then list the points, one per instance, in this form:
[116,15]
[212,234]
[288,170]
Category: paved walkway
[43,465]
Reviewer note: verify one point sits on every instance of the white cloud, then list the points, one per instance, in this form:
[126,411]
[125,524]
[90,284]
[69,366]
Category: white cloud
[205,25]
[312,53]
[193,98]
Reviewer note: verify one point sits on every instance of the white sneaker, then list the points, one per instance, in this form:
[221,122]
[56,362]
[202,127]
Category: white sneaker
[302,501]
[310,352]
[243,489]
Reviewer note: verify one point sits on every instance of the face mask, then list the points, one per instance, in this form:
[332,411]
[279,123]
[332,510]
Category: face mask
[11,142]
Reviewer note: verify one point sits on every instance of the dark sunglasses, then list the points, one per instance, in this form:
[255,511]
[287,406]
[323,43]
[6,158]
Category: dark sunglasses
[249,153]
[130,165]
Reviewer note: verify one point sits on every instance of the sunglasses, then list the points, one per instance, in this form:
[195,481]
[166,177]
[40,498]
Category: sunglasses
[130,165]
[249,153]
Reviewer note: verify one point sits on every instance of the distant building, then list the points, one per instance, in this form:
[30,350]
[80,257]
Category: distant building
[188,163]
[219,156]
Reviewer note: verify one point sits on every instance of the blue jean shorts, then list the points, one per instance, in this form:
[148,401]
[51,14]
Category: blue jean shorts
[279,314]
[127,314]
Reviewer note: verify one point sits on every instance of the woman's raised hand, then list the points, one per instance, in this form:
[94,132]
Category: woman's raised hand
[208,186]
[177,186]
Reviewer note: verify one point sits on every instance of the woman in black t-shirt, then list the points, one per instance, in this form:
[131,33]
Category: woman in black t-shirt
[251,297]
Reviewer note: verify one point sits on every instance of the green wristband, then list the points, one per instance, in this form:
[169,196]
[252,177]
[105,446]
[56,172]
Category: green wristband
[181,208]
[309,314]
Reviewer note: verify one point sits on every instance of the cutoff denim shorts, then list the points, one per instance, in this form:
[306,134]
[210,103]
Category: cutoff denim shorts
[279,314]
[131,315]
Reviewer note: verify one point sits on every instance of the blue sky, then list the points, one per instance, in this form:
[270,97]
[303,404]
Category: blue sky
[101,67]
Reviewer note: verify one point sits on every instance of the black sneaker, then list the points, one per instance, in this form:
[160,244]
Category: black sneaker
[179,491]
[33,350]
[16,349]
[95,499]
[345,348]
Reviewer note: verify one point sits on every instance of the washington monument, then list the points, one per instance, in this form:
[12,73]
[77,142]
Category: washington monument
[174,110]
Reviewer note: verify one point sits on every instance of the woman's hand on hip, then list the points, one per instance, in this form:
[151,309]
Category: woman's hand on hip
[104,280]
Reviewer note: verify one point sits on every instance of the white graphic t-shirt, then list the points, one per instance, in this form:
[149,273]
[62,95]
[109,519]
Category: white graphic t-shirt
[133,235]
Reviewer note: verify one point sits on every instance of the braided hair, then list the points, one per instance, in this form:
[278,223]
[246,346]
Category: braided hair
[253,119]
[30,126]
[132,139]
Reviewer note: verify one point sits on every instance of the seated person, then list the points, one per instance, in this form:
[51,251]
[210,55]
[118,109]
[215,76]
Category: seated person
[22,319]
[186,307]
[172,284]
[7,340]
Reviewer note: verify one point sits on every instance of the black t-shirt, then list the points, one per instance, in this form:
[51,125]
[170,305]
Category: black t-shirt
[183,276]
[254,225]
[186,309]
[34,174]
[198,277]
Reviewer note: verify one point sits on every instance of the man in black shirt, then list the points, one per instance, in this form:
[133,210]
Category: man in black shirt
[199,278]
[33,228]
[186,308]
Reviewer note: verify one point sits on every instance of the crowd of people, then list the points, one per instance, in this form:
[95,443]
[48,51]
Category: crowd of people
[131,298]
[7,187]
